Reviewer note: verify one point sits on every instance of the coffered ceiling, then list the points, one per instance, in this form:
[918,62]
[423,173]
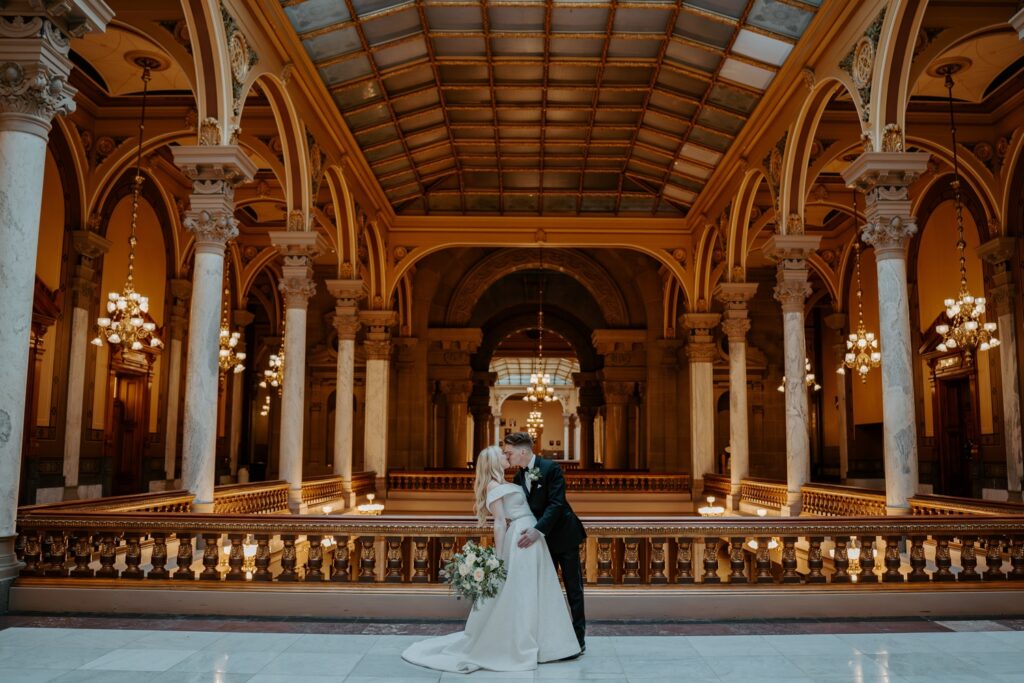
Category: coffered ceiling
[546,106]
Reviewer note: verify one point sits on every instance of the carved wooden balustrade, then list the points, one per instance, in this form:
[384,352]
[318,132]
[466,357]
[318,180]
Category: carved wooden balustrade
[575,480]
[363,483]
[318,490]
[717,485]
[951,505]
[764,493]
[682,551]
[256,498]
[841,501]
[162,501]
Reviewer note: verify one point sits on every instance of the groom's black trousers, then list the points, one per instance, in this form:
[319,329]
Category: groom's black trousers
[572,577]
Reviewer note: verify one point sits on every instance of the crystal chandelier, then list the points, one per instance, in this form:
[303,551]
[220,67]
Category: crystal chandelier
[273,376]
[534,423]
[966,328]
[809,379]
[862,351]
[228,358]
[127,324]
[540,388]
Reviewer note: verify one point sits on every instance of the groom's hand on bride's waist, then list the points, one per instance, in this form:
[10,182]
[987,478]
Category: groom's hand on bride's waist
[528,537]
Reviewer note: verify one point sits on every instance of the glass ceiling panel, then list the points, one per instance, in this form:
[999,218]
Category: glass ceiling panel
[491,109]
[517,371]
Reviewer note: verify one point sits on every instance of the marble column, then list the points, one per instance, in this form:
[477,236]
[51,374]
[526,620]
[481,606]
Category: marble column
[89,248]
[837,322]
[456,397]
[298,248]
[885,177]
[214,171]
[1000,253]
[701,351]
[586,414]
[181,292]
[241,319]
[734,296]
[565,436]
[33,89]
[792,290]
[347,295]
[616,424]
[378,326]
[576,436]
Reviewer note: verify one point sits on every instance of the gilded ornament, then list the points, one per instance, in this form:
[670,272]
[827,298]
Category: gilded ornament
[892,138]
[863,61]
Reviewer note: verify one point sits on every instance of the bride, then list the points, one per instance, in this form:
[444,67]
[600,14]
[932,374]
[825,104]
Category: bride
[527,622]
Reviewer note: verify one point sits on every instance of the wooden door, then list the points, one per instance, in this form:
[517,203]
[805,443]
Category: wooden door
[957,436]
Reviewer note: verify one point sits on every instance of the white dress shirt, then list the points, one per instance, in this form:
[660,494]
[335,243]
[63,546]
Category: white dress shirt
[526,480]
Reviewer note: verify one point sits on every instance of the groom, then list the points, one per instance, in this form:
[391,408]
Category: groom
[556,522]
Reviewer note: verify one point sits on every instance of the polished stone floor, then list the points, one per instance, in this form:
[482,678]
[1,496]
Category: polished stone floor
[111,650]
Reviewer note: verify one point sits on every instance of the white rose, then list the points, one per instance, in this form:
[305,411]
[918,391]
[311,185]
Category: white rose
[478,575]
[492,563]
[471,558]
[463,569]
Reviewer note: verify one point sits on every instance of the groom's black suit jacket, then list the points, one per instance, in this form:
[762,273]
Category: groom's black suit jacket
[562,529]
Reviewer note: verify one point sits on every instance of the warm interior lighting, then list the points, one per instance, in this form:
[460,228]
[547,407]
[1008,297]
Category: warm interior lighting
[862,352]
[228,358]
[809,379]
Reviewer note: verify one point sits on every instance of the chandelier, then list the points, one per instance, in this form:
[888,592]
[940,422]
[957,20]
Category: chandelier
[534,423]
[862,351]
[809,378]
[966,328]
[265,408]
[273,376]
[540,388]
[127,322]
[228,358]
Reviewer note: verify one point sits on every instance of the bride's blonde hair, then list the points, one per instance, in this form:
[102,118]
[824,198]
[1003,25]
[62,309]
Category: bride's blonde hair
[488,468]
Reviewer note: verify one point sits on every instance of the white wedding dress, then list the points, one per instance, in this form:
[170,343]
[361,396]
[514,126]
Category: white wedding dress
[526,623]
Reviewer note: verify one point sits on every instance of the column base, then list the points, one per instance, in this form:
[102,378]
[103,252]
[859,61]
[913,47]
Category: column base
[9,567]
[71,493]
[732,502]
[295,501]
[205,508]
[1014,497]
[892,511]
[697,489]
[794,503]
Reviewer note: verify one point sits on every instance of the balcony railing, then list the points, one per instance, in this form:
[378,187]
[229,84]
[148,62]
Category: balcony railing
[575,480]
[71,548]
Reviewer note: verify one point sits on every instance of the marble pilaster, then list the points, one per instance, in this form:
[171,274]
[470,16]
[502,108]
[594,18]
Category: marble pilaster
[565,436]
[885,177]
[347,295]
[181,292]
[89,248]
[241,319]
[1000,253]
[576,436]
[456,397]
[701,351]
[377,344]
[792,290]
[214,171]
[298,248]
[736,323]
[616,432]
[34,49]
[837,322]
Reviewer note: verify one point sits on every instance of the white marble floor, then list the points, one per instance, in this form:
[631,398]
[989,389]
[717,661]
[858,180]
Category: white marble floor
[37,655]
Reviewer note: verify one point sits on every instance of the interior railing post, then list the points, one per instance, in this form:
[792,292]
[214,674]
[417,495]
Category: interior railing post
[815,561]
[968,560]
[631,561]
[684,560]
[57,566]
[841,560]
[994,558]
[32,554]
[763,561]
[261,560]
[289,559]
[211,557]
[236,558]
[83,555]
[184,572]
[132,557]
[1017,558]
[444,557]
[604,562]
[339,567]
[315,559]
[737,561]
[420,560]
[711,560]
[158,558]
[917,560]
[789,572]
[892,560]
[658,561]
[367,559]
[108,555]
[394,560]
[867,561]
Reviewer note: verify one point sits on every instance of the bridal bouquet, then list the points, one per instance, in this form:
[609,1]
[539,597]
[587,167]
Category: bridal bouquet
[475,573]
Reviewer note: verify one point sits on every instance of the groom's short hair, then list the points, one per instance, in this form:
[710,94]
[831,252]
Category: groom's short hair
[519,439]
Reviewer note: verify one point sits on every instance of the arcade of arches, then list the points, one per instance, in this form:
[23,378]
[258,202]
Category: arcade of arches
[389,195]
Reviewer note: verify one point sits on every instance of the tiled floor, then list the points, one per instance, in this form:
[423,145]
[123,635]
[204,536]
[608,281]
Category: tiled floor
[217,651]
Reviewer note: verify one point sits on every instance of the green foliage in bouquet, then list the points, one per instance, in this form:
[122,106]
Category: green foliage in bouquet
[476,573]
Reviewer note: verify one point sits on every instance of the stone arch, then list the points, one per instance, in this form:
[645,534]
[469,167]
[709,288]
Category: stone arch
[72,174]
[346,235]
[1012,200]
[558,321]
[376,267]
[296,181]
[973,173]
[893,55]
[153,194]
[503,262]
[739,224]
[213,85]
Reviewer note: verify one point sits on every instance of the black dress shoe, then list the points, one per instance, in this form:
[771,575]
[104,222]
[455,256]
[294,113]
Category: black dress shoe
[583,648]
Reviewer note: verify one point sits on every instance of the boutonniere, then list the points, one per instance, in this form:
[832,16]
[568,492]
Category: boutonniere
[533,474]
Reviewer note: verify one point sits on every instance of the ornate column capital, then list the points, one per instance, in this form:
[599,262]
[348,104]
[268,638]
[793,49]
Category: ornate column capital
[885,178]
[457,391]
[735,295]
[242,317]
[298,250]
[348,292]
[873,170]
[617,393]
[90,247]
[701,347]
[215,170]
[736,328]
[999,252]
[1017,22]
[378,326]
[791,252]
[34,59]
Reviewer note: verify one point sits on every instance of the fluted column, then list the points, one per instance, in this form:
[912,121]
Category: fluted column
[33,89]
[214,171]
[181,291]
[347,295]
[378,326]
[837,322]
[736,324]
[241,319]
[89,248]
[885,177]
[298,248]
[701,351]
[1001,252]
[456,397]
[792,290]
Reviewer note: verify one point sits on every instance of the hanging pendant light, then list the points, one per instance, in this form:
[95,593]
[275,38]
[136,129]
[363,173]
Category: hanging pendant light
[540,388]
[127,323]
[228,358]
[862,352]
[534,423]
[273,376]
[966,329]
[809,378]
